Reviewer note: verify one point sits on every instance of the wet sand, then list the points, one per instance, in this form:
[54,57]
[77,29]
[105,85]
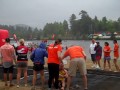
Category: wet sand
[97,80]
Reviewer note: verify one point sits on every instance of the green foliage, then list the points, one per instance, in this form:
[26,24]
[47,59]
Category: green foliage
[78,28]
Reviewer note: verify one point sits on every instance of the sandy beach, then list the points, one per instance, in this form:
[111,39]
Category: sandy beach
[88,64]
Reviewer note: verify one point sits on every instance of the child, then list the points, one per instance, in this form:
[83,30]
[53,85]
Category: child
[107,57]
[62,75]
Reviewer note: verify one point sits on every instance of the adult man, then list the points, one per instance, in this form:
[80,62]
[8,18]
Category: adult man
[7,56]
[92,52]
[116,54]
[77,60]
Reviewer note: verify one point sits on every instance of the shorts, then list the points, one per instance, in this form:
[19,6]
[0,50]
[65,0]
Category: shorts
[22,65]
[98,58]
[77,63]
[6,70]
[107,58]
[38,67]
[93,57]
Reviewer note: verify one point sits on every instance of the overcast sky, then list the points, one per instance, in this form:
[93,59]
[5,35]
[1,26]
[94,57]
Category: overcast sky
[37,13]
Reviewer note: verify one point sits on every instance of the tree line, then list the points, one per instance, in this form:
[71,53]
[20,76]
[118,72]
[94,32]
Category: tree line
[74,28]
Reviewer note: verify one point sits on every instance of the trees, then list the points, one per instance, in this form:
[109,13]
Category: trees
[75,28]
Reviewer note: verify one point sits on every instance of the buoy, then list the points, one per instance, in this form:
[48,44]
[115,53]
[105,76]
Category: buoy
[3,35]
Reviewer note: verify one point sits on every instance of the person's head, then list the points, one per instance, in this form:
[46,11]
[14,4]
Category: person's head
[42,45]
[7,40]
[93,41]
[98,43]
[106,44]
[61,66]
[58,41]
[114,41]
[21,41]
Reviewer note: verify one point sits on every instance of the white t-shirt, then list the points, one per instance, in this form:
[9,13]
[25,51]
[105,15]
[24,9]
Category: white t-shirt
[92,46]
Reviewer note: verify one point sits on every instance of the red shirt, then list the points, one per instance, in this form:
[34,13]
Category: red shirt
[116,50]
[22,53]
[53,53]
[108,49]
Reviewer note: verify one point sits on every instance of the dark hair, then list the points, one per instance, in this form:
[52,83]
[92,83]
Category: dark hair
[7,40]
[115,41]
[107,43]
[97,43]
[57,41]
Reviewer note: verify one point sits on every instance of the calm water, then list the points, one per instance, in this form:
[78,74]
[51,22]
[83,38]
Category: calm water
[84,43]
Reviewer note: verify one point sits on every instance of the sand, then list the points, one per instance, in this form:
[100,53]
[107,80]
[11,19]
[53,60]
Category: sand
[88,63]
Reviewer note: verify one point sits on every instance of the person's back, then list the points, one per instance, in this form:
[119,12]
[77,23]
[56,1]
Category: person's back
[40,53]
[37,57]
[22,53]
[77,61]
[75,51]
[54,59]
[22,61]
[52,53]
[7,52]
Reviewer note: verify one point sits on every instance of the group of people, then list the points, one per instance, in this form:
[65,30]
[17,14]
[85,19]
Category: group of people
[96,55]
[57,72]
[8,58]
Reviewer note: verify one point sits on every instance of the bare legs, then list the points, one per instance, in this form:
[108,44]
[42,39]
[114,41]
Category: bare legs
[19,75]
[5,79]
[35,77]
[109,65]
[115,63]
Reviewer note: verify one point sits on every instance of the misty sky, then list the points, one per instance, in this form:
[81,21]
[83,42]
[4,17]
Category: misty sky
[37,13]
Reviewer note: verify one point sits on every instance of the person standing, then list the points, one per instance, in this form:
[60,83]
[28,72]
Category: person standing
[107,57]
[8,56]
[98,54]
[77,61]
[22,61]
[54,59]
[37,57]
[92,52]
[116,55]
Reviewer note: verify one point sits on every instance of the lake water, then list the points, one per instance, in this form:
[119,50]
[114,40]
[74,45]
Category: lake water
[84,43]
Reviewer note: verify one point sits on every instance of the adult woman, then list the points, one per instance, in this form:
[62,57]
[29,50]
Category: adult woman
[107,58]
[54,58]
[37,57]
[22,61]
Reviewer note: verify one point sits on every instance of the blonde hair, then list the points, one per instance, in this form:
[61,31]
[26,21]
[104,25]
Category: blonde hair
[21,41]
